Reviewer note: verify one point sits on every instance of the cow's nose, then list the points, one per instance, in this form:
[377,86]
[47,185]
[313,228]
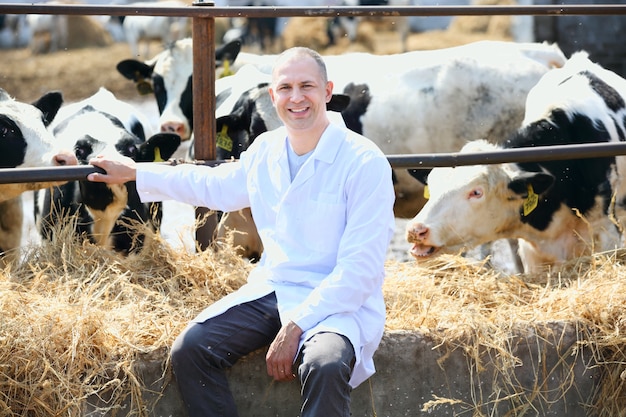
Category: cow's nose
[175,127]
[65,158]
[417,232]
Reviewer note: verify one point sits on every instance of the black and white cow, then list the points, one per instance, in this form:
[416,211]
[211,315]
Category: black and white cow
[108,215]
[557,209]
[168,77]
[25,142]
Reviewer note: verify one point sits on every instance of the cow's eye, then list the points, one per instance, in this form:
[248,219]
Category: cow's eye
[476,193]
[6,130]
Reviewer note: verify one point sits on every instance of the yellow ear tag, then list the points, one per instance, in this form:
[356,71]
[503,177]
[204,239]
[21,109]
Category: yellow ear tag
[143,86]
[157,155]
[531,201]
[426,192]
[223,140]
[227,71]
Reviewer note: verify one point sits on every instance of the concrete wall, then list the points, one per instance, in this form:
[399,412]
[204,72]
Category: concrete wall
[547,380]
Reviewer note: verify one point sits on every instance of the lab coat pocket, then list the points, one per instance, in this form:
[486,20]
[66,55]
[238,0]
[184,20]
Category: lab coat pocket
[325,226]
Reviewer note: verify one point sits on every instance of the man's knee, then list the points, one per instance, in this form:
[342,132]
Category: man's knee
[327,354]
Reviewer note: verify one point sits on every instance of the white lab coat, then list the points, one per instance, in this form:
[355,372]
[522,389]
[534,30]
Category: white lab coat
[325,235]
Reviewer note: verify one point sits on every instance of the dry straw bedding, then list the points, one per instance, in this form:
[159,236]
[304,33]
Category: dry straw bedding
[76,317]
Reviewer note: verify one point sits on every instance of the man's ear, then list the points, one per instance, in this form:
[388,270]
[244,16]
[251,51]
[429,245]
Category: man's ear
[329,91]
[270,90]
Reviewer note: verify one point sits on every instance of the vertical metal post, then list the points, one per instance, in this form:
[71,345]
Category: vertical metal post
[203,35]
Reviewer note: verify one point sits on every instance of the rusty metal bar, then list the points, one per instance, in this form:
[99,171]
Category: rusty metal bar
[433,160]
[536,154]
[283,11]
[203,92]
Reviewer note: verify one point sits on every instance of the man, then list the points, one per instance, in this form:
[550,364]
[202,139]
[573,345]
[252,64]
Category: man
[322,200]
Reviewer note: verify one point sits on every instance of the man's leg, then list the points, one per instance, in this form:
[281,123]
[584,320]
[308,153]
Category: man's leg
[202,352]
[325,370]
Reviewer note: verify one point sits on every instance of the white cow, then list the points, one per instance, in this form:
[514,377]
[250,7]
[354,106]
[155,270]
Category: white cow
[557,209]
[141,28]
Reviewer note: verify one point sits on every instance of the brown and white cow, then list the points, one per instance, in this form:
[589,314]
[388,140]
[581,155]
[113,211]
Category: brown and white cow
[557,209]
[25,142]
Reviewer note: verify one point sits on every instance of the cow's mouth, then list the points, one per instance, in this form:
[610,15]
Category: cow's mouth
[419,251]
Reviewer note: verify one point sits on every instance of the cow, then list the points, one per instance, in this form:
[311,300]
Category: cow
[168,77]
[107,215]
[141,28]
[25,142]
[558,210]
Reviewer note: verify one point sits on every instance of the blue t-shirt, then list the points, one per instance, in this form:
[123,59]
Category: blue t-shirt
[296,161]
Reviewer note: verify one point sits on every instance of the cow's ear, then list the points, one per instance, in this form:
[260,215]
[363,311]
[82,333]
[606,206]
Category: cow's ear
[420,174]
[338,102]
[540,182]
[49,104]
[227,52]
[135,70]
[158,148]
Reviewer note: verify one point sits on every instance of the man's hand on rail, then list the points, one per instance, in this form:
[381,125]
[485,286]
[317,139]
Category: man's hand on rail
[119,169]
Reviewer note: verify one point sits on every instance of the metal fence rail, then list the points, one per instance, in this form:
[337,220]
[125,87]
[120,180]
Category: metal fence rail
[312,11]
[418,161]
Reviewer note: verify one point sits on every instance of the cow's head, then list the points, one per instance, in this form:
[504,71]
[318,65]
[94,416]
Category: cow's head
[169,77]
[25,140]
[471,205]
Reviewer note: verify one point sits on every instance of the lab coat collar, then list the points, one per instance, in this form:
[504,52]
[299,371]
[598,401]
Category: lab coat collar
[326,151]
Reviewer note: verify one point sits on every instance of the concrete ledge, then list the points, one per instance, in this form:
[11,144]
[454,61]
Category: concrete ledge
[550,375]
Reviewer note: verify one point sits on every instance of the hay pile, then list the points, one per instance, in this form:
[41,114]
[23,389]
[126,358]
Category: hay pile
[465,305]
[76,317]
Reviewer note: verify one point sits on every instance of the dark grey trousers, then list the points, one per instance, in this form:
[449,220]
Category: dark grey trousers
[203,351]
